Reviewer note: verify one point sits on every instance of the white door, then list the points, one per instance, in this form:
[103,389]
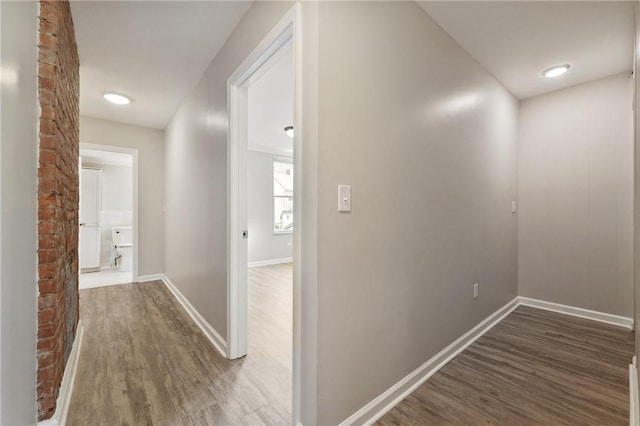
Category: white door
[90,194]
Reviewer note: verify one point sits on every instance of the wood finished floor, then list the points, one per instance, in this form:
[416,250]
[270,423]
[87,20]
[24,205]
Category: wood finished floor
[145,362]
[534,367]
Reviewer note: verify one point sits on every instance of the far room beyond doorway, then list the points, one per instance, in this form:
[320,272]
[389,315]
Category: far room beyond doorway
[106,218]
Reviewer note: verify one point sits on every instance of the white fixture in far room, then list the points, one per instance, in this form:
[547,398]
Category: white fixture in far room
[556,70]
[289,131]
[116,98]
[122,237]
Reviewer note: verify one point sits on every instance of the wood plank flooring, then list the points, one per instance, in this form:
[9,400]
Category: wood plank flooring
[145,362]
[534,367]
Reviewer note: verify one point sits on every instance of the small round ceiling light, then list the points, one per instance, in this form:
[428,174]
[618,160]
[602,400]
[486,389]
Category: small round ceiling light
[289,131]
[556,70]
[116,98]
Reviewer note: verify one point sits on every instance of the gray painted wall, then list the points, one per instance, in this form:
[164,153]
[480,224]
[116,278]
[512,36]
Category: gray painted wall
[18,229]
[576,171]
[427,139]
[196,174]
[150,145]
[263,244]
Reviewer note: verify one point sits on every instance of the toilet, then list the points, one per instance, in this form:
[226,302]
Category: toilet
[122,237]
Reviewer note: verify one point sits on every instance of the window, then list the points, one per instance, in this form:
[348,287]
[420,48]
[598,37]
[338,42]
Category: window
[282,196]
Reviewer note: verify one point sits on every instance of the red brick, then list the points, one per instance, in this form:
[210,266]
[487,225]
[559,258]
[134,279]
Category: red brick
[47,70]
[47,270]
[46,315]
[48,156]
[46,83]
[46,344]
[47,185]
[48,171]
[48,41]
[45,331]
[47,286]
[48,142]
[47,112]
[48,301]
[47,56]
[45,359]
[47,256]
[48,27]
[47,242]
[46,228]
[48,12]
[46,97]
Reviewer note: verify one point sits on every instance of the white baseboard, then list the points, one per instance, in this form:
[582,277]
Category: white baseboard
[218,342]
[396,393]
[59,418]
[147,278]
[634,405]
[577,312]
[270,262]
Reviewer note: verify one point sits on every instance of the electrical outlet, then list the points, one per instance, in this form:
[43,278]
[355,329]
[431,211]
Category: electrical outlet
[475,291]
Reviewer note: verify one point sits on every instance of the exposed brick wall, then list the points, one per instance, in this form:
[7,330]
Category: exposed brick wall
[58,192]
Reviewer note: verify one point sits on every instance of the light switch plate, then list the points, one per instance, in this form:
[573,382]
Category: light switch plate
[344,198]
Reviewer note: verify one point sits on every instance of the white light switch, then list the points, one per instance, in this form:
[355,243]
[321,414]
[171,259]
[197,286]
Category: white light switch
[344,198]
[513,207]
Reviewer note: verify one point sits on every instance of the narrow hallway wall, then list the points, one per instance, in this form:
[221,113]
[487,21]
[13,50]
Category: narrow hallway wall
[575,221]
[18,224]
[426,137]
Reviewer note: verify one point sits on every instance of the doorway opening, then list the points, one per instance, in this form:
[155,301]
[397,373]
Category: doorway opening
[108,249]
[264,228]
[270,225]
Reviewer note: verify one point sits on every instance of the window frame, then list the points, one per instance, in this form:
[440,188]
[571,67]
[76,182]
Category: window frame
[277,159]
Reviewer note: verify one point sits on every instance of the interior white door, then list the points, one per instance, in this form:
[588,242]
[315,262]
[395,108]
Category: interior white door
[90,194]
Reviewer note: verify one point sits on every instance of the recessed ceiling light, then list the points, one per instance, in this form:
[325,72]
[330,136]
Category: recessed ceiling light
[556,70]
[116,98]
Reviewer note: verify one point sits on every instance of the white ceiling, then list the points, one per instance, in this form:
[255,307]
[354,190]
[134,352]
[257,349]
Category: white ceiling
[516,40]
[270,105]
[154,52]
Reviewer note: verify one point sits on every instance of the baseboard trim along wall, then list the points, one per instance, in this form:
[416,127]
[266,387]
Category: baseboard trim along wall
[218,342]
[396,393]
[375,409]
[270,262]
[59,418]
[634,405]
[147,278]
[578,312]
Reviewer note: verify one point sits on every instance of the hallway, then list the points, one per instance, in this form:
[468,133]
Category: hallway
[144,361]
[430,165]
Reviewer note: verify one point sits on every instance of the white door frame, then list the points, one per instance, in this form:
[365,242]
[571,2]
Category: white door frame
[288,30]
[134,153]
